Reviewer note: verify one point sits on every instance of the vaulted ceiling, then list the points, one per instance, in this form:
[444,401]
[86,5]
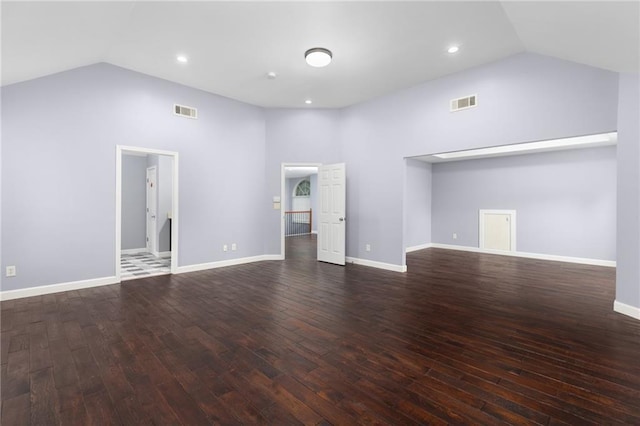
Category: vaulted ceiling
[378,47]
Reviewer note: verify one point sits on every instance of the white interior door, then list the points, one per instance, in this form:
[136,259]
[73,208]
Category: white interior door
[332,214]
[152,195]
[497,230]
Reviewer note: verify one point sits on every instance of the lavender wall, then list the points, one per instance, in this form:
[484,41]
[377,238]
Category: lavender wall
[523,98]
[628,235]
[288,190]
[134,194]
[81,116]
[304,136]
[417,205]
[565,201]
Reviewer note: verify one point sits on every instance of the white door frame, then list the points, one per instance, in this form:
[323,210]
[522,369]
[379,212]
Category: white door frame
[283,181]
[512,221]
[120,151]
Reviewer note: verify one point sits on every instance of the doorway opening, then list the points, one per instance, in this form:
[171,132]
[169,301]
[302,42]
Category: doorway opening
[329,222]
[146,212]
[299,207]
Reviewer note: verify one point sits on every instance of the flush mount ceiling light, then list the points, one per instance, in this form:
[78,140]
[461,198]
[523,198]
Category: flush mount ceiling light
[453,49]
[308,102]
[318,57]
[182,59]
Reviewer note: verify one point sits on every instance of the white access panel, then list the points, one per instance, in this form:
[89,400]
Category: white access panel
[498,230]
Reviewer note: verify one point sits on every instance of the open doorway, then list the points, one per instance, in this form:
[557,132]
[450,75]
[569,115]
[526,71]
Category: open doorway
[300,206]
[146,212]
[330,220]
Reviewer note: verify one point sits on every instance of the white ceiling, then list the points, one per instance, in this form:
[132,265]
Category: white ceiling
[299,172]
[378,47]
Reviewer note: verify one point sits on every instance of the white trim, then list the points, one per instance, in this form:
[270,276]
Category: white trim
[314,232]
[56,288]
[576,142]
[134,251]
[271,257]
[141,277]
[623,308]
[374,264]
[153,248]
[140,150]
[223,263]
[540,256]
[418,247]
[122,149]
[164,254]
[512,222]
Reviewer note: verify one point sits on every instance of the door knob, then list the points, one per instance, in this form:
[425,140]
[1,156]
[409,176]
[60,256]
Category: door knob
[342,219]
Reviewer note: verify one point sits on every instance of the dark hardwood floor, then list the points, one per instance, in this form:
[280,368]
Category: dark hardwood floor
[301,247]
[462,338]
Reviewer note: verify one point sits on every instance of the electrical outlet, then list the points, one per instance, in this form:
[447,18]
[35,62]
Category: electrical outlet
[367,247]
[233,246]
[225,248]
[455,236]
[11,271]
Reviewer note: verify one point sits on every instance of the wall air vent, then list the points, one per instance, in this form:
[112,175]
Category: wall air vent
[185,111]
[464,103]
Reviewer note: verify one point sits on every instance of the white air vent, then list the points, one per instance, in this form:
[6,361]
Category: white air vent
[185,111]
[464,103]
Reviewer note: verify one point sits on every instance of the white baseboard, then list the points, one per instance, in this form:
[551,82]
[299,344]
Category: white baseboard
[56,288]
[623,308]
[379,265]
[553,257]
[272,257]
[314,232]
[418,247]
[164,254]
[223,263]
[134,251]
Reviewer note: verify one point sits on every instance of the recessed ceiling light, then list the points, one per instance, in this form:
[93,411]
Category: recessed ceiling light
[453,49]
[308,101]
[318,57]
[271,75]
[182,59]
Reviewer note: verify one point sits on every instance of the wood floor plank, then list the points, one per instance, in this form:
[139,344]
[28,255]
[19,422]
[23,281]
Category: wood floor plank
[15,375]
[461,338]
[88,371]
[64,368]
[16,410]
[182,403]
[44,399]
[100,409]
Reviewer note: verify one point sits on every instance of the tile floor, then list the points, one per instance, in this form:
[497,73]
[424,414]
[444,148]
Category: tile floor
[140,265]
